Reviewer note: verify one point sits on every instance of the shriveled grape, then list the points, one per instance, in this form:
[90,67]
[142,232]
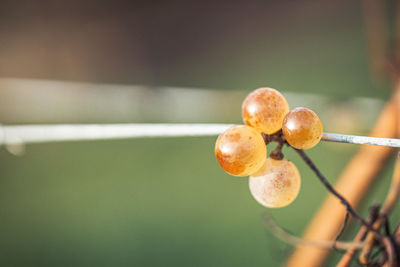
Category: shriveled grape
[265,109]
[240,150]
[302,128]
[276,184]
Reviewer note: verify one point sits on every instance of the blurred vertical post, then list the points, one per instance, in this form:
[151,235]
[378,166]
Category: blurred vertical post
[358,175]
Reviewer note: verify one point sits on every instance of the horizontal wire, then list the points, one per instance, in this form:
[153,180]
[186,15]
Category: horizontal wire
[361,140]
[25,134]
[74,132]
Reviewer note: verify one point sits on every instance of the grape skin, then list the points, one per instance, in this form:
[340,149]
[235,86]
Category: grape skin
[264,109]
[302,128]
[276,184]
[240,150]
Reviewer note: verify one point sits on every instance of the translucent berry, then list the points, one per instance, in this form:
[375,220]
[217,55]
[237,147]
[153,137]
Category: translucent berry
[276,184]
[240,150]
[302,128]
[265,109]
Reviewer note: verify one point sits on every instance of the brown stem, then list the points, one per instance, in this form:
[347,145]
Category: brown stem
[277,137]
[297,241]
[347,258]
[277,153]
[388,205]
[386,241]
[330,188]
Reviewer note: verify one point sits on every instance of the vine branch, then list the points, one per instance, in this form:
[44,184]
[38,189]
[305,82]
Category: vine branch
[330,188]
[348,257]
[386,241]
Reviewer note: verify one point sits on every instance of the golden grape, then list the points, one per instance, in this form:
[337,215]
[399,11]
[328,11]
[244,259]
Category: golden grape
[265,109]
[240,150]
[276,184]
[302,128]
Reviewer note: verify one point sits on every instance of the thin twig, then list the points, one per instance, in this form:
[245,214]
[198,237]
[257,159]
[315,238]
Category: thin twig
[330,188]
[346,219]
[396,233]
[390,201]
[297,241]
[347,258]
[387,242]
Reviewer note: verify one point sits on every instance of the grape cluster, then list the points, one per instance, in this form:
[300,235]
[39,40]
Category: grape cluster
[241,150]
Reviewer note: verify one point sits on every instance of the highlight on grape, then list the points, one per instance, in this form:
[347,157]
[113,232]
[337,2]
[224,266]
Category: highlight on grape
[241,150]
[302,128]
[264,109]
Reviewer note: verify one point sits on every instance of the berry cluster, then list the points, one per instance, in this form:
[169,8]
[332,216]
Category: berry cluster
[241,150]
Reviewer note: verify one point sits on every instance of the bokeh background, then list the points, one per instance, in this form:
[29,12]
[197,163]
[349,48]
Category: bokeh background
[166,202]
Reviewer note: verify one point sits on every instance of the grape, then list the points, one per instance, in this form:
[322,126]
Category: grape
[240,150]
[276,184]
[302,128]
[265,109]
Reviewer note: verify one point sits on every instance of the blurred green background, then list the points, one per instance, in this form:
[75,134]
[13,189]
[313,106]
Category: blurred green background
[166,202]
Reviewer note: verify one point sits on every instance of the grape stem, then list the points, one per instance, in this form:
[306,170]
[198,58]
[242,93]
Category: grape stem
[385,240]
[278,137]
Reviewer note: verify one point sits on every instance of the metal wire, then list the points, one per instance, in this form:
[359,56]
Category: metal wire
[361,140]
[25,134]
